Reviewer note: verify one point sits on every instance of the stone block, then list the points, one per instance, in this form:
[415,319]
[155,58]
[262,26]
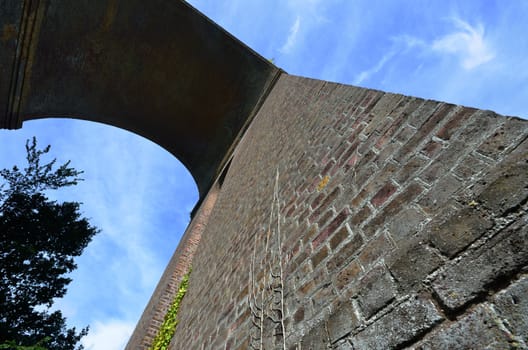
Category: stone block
[406,224]
[411,263]
[407,321]
[472,275]
[375,290]
[502,138]
[459,230]
[478,330]
[342,321]
[508,191]
[316,339]
[440,193]
[511,305]
[375,249]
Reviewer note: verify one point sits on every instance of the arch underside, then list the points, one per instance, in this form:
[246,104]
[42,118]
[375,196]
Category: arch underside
[158,68]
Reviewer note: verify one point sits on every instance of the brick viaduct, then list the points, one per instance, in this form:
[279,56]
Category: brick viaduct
[331,216]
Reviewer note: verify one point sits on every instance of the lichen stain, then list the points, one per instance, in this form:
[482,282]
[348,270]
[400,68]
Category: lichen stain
[8,32]
[322,184]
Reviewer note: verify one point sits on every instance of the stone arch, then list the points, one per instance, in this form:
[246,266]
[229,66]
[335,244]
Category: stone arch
[158,68]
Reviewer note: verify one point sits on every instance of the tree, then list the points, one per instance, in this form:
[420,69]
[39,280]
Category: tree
[39,239]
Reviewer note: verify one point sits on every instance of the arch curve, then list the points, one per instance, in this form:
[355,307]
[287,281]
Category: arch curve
[159,69]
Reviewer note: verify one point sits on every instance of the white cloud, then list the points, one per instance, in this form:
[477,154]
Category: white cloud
[366,74]
[292,36]
[467,42]
[108,335]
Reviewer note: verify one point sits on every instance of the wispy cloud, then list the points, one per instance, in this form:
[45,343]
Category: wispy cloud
[108,335]
[467,42]
[366,74]
[292,36]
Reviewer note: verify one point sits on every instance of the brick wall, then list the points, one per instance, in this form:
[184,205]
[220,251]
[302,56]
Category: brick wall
[180,263]
[356,219]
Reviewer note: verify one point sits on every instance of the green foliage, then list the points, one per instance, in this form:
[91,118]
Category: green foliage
[11,345]
[39,239]
[168,327]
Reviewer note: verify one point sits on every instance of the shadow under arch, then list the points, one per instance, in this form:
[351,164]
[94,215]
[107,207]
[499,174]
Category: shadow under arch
[159,69]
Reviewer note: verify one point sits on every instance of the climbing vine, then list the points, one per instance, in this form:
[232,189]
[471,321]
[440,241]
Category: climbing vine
[168,327]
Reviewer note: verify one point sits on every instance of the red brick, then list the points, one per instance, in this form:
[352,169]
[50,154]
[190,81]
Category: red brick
[432,149]
[331,227]
[423,131]
[454,122]
[383,194]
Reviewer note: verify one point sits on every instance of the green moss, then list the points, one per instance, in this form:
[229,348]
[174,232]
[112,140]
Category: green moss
[168,327]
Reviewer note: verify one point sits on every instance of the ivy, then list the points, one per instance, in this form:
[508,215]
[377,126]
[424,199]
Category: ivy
[168,327]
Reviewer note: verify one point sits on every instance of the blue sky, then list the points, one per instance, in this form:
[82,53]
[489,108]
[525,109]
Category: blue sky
[473,53]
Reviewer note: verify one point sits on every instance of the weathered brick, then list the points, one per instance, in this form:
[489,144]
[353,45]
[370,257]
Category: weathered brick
[410,169]
[348,275]
[423,130]
[316,339]
[408,320]
[344,254]
[361,216]
[411,263]
[468,277]
[502,138]
[458,231]
[404,134]
[508,191]
[331,227]
[440,193]
[375,249]
[445,161]
[376,291]
[344,159]
[400,202]
[342,234]
[298,316]
[319,256]
[404,108]
[342,321]
[512,305]
[457,119]
[432,148]
[468,167]
[383,194]
[420,115]
[324,295]
[478,330]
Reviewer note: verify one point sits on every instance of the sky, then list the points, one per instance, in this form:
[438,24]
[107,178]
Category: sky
[468,52]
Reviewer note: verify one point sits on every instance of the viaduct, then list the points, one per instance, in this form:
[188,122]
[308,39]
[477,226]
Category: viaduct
[330,216]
